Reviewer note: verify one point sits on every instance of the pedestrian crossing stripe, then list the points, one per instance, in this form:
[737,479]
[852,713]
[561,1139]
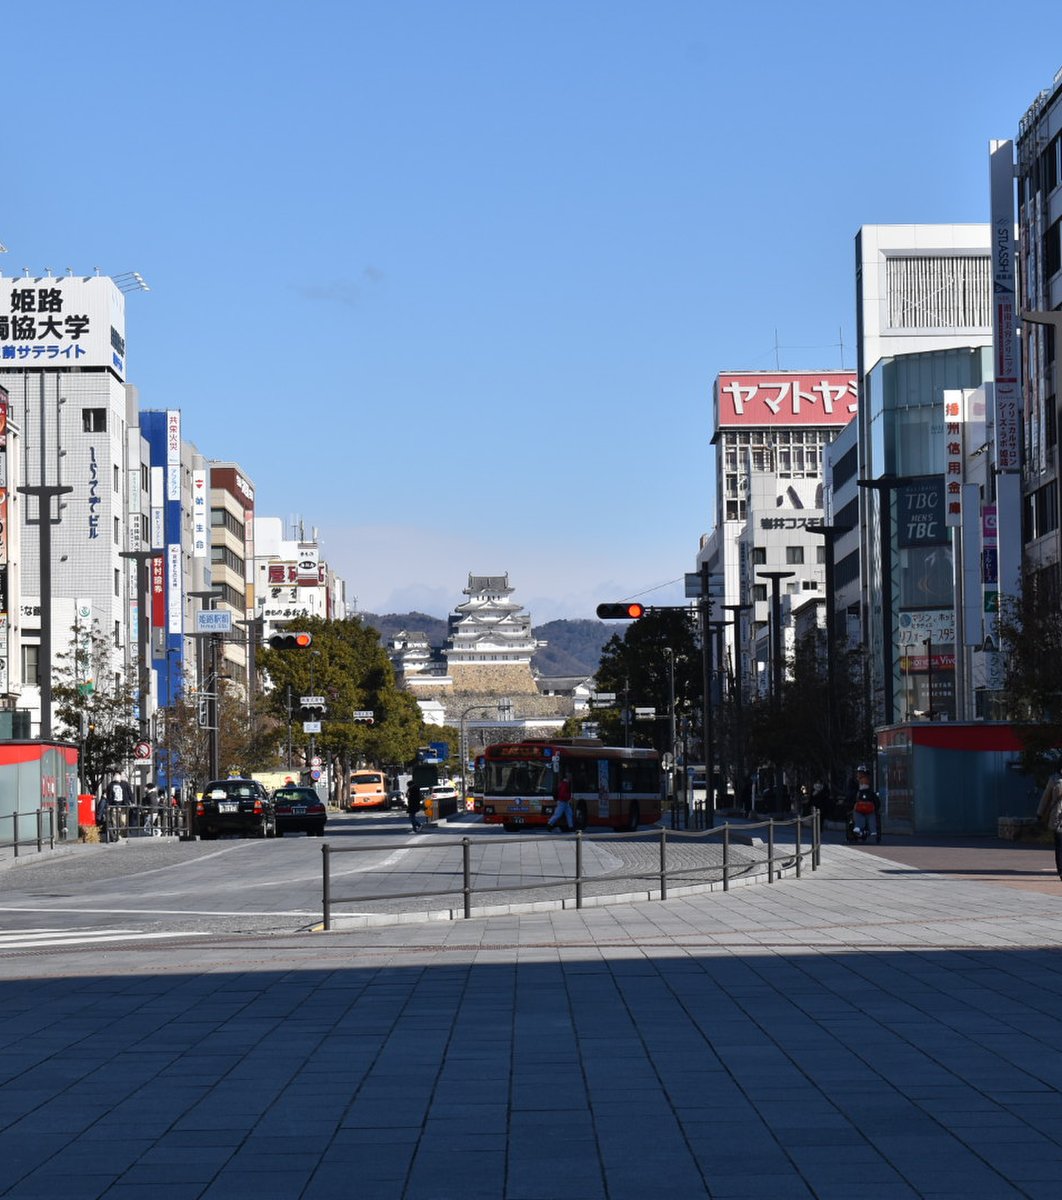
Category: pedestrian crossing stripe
[35,939]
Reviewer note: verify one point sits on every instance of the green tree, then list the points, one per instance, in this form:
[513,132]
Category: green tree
[348,667]
[637,668]
[92,709]
[1031,642]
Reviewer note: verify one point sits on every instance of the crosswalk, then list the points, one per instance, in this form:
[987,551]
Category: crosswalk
[37,939]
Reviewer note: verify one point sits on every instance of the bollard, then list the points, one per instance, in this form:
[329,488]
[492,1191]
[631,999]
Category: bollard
[816,839]
[770,849]
[15,815]
[326,890]
[663,864]
[726,857]
[578,868]
[40,830]
[466,866]
[799,849]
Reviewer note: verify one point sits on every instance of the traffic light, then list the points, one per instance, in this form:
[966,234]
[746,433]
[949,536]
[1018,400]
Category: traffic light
[290,641]
[628,610]
[363,717]
[312,712]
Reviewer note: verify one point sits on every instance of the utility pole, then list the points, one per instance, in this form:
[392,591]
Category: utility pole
[705,606]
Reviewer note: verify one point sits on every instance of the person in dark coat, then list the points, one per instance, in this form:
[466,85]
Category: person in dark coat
[413,804]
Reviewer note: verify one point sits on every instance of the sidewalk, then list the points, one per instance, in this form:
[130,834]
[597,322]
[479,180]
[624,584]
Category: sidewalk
[872,1030]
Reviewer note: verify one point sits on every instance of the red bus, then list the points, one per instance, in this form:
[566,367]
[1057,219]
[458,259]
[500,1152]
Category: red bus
[611,786]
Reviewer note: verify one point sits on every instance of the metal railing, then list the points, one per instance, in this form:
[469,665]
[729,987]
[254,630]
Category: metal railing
[142,820]
[779,857]
[34,822]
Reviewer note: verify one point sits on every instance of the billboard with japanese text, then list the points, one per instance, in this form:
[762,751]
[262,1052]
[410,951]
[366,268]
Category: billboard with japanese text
[65,321]
[755,399]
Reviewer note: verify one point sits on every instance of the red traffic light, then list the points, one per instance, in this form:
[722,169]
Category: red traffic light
[627,611]
[290,641]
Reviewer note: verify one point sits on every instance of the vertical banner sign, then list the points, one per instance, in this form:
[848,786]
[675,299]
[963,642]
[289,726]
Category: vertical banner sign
[954,456]
[173,579]
[200,514]
[158,497]
[306,569]
[158,592]
[3,652]
[173,454]
[1004,339]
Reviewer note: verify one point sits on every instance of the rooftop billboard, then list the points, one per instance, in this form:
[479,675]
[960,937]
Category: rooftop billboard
[755,399]
[62,321]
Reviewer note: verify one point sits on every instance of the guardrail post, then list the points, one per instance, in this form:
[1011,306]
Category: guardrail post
[770,849]
[663,864]
[799,845]
[40,830]
[326,890]
[726,857]
[578,868]
[466,867]
[816,838]
[15,826]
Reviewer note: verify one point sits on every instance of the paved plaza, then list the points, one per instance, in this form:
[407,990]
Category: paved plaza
[884,1027]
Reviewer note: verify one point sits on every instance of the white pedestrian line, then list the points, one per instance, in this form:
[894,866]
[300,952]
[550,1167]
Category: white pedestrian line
[156,912]
[29,939]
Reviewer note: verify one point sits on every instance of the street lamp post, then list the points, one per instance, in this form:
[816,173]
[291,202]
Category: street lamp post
[776,578]
[704,604]
[739,700]
[669,651]
[462,748]
[829,535]
[928,646]
[885,485]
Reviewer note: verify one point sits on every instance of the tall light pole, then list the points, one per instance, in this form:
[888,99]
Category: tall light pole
[927,645]
[45,493]
[704,605]
[462,750]
[739,700]
[776,578]
[669,651]
[829,535]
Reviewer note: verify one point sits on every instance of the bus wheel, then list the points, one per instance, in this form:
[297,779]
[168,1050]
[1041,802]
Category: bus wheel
[581,820]
[633,819]
[509,827]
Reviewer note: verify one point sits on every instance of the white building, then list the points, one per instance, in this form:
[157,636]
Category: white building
[778,422]
[62,361]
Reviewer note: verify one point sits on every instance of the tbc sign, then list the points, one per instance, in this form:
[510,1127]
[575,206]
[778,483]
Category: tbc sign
[921,514]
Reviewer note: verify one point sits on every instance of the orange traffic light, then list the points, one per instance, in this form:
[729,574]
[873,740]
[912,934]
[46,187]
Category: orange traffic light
[290,641]
[629,610]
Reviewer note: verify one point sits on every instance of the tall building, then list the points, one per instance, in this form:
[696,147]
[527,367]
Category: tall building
[62,362]
[924,328]
[774,424]
[1039,171]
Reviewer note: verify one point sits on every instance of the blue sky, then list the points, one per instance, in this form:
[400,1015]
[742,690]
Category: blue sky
[452,281]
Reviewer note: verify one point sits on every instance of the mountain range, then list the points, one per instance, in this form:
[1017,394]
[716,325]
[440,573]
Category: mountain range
[573,646]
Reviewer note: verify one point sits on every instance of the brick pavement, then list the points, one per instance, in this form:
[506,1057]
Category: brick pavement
[873,1030]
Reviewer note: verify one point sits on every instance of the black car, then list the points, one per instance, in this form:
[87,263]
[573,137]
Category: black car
[240,806]
[299,808]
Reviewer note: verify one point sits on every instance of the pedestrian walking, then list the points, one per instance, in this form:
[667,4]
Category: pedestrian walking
[115,800]
[866,803]
[413,802]
[1049,811]
[563,807]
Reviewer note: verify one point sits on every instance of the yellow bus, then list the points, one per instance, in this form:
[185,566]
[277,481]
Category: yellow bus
[368,789]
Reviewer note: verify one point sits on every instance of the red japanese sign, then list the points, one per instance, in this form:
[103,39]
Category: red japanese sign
[764,398]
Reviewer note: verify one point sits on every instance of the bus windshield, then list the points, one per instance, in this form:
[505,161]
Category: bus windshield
[373,778]
[511,778]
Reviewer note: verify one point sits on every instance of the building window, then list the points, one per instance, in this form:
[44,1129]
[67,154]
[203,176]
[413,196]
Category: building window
[820,555]
[117,582]
[94,420]
[794,555]
[145,478]
[759,556]
[117,481]
[117,533]
[117,635]
[31,664]
[791,588]
[759,593]
[810,585]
